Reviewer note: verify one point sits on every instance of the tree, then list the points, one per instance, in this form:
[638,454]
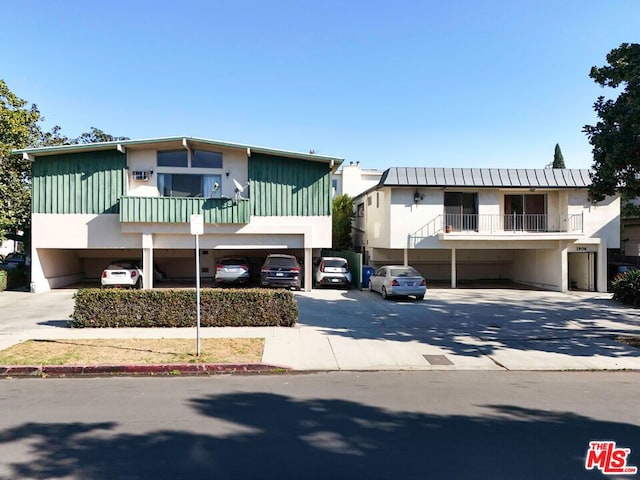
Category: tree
[616,136]
[18,129]
[341,218]
[558,159]
[96,135]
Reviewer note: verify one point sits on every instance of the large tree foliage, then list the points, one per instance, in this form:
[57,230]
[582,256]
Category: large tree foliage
[558,159]
[616,136]
[20,128]
[341,218]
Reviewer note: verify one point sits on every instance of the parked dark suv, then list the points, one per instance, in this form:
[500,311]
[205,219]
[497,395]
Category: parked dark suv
[281,270]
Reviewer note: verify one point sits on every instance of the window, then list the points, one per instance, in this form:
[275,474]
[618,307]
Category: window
[173,158]
[525,212]
[202,159]
[461,210]
[180,158]
[184,185]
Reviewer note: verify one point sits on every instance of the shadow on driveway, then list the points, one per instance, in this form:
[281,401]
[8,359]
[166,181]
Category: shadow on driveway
[478,322]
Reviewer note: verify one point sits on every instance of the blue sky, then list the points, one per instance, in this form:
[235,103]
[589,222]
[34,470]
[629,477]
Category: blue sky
[460,83]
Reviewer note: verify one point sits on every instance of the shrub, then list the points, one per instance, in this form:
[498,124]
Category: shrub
[626,287]
[3,280]
[96,307]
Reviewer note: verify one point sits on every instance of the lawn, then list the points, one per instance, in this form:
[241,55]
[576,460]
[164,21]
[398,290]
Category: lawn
[133,351]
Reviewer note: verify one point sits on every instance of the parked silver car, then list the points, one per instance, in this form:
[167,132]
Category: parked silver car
[397,280]
[232,270]
[332,271]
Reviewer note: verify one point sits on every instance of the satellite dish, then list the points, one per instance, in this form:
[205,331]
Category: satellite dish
[239,187]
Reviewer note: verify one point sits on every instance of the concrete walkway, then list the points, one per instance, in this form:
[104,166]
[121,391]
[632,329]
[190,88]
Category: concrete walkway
[463,329]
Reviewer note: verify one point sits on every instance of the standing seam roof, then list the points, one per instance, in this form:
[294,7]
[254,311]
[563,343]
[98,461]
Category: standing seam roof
[486,177]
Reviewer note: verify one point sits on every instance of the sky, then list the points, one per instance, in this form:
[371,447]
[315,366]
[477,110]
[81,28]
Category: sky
[448,83]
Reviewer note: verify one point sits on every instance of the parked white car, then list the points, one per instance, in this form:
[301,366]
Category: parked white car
[332,271]
[397,280]
[122,273]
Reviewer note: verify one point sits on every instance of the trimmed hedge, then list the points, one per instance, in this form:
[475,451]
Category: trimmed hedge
[95,307]
[626,287]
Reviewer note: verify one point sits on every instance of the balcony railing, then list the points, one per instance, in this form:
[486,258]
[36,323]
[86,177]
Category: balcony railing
[515,222]
[180,209]
[500,224]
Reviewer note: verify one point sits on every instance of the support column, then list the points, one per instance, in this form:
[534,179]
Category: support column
[308,270]
[601,267]
[564,267]
[453,268]
[147,261]
[406,257]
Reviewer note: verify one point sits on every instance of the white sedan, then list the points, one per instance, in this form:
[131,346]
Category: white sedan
[122,273]
[397,280]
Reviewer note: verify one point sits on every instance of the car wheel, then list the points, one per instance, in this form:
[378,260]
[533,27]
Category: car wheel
[384,293]
[138,284]
[420,297]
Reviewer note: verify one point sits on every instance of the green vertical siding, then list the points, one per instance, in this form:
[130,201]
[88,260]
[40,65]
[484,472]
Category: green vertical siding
[90,182]
[289,187]
[180,209]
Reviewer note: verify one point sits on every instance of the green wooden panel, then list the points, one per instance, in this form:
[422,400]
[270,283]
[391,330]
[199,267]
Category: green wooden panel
[289,187]
[180,209]
[90,182]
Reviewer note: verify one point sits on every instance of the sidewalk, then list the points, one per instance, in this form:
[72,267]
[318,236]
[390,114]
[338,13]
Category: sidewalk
[487,329]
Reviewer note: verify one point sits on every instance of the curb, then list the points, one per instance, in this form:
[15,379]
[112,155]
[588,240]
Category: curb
[9,371]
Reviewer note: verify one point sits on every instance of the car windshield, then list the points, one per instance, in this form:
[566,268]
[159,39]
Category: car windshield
[281,262]
[335,262]
[404,272]
[232,261]
[122,265]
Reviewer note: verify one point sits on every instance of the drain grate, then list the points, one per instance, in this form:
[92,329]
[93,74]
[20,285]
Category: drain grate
[438,360]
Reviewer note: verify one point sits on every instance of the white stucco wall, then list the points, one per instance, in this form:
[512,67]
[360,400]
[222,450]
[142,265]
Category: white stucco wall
[540,268]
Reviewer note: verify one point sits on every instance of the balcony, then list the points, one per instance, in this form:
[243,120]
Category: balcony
[180,209]
[513,223]
[500,227]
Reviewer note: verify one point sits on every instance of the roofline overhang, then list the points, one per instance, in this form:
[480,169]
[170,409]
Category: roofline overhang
[123,145]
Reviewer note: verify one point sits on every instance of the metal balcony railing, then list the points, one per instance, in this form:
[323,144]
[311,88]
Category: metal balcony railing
[498,224]
[515,222]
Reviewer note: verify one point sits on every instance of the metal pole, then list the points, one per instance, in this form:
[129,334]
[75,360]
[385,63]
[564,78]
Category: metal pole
[198,295]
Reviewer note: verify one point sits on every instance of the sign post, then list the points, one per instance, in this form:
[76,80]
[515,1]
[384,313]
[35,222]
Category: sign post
[197,229]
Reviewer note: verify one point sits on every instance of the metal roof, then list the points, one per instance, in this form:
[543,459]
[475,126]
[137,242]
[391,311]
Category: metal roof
[485,177]
[174,142]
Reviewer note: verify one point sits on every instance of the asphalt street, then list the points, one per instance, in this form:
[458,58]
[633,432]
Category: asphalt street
[400,425]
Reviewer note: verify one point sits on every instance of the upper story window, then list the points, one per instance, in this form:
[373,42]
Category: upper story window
[173,158]
[202,159]
[461,210]
[180,158]
[183,185]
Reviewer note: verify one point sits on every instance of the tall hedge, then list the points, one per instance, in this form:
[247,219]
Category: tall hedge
[96,307]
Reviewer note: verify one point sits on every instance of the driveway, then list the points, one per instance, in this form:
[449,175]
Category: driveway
[477,328]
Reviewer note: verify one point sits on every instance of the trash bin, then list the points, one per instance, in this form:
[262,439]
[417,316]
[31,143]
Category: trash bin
[367,271]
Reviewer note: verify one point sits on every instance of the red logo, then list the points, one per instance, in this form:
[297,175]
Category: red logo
[609,459]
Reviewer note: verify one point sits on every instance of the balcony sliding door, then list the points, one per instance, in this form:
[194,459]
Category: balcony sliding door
[525,212]
[461,210]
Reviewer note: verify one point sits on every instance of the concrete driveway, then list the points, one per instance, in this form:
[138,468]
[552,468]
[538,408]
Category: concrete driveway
[474,329]
[462,329]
